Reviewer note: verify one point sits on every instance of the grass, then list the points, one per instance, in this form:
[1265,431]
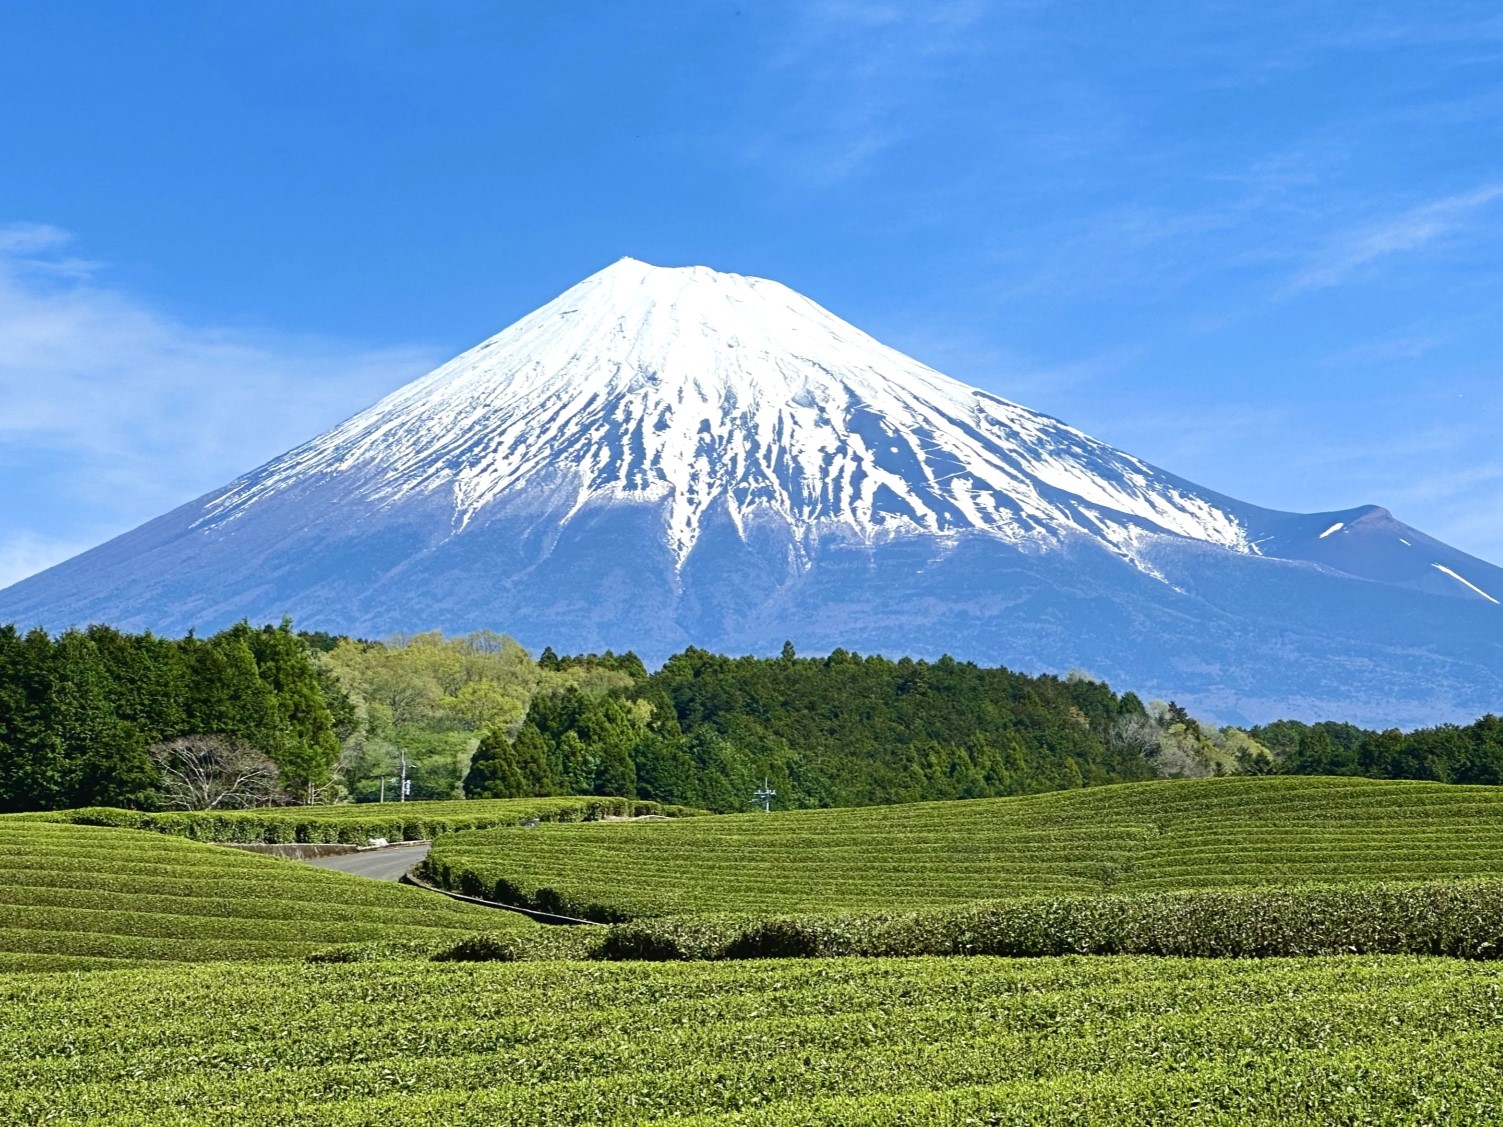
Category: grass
[357,823]
[1137,838]
[835,1042]
[83,897]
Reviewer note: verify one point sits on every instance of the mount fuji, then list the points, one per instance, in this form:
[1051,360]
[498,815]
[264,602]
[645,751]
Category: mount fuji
[669,457]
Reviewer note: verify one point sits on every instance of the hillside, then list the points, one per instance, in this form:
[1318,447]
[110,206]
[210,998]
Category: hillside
[1128,839]
[81,897]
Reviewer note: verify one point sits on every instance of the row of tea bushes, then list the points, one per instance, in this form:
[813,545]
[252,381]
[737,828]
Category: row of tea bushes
[848,1042]
[355,824]
[1132,838]
[78,897]
[1461,919]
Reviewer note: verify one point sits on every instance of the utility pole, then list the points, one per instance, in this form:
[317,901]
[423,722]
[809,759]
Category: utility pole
[765,796]
[406,782]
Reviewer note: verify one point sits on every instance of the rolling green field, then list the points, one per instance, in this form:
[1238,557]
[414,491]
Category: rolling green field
[840,1042]
[84,897]
[1137,838]
[355,824]
[202,1006]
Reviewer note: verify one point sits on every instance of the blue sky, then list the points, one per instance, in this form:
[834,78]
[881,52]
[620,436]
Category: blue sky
[1258,245]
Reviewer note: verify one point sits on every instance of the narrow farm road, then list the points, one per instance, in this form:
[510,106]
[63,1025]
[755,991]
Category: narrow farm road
[379,864]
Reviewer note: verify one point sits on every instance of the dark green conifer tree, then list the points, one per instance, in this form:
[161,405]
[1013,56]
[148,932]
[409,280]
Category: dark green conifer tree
[614,773]
[664,770]
[104,760]
[34,777]
[493,770]
[147,681]
[307,745]
[530,752]
[225,694]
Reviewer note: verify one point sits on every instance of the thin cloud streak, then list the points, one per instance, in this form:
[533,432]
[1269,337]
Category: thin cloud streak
[112,412]
[860,70]
[1352,253]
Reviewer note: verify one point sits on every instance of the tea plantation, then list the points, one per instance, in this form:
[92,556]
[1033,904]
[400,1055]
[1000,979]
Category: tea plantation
[356,824]
[229,987]
[77,897]
[1137,838]
[837,1043]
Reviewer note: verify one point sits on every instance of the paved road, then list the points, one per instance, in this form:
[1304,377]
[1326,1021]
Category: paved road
[381,864]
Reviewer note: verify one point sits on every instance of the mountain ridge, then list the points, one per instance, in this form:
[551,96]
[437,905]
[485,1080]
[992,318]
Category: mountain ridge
[736,412]
[671,456]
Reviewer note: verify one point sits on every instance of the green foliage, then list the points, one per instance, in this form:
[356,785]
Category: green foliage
[63,739]
[827,1043]
[357,823]
[706,730]
[494,770]
[1459,919]
[851,730]
[305,725]
[1142,838]
[475,715]
[71,895]
[1451,753]
[79,713]
[428,700]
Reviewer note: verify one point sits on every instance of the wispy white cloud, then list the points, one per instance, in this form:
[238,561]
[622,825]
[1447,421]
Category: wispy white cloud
[31,238]
[112,411]
[1409,346]
[1353,253]
[848,76]
[24,553]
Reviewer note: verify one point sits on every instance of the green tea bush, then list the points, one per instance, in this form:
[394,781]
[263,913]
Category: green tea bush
[1461,919]
[1140,838]
[484,948]
[1118,1041]
[72,895]
[355,824]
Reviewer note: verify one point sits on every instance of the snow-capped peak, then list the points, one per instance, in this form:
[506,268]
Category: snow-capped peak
[697,390]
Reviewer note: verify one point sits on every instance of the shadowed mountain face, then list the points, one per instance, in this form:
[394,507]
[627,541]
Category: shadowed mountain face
[664,457]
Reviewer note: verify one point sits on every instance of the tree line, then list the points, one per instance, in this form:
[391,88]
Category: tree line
[254,716]
[1449,753]
[706,730]
[98,717]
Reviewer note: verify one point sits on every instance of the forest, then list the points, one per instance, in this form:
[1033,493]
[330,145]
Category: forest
[1450,753]
[256,716]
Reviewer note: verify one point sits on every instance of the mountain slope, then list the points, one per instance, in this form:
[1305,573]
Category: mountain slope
[700,389]
[661,457]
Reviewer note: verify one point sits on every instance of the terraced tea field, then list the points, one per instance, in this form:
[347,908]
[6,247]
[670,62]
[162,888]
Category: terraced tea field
[1134,838]
[356,824]
[82,897]
[837,1042]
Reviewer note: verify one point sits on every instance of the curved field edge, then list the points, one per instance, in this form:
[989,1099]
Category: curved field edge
[355,824]
[1132,839]
[78,897]
[843,1041]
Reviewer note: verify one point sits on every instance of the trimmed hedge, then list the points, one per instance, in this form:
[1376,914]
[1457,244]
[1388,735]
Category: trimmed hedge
[356,824]
[1462,919]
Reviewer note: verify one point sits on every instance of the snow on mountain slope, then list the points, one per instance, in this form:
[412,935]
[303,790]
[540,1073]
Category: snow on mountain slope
[694,388]
[670,457]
